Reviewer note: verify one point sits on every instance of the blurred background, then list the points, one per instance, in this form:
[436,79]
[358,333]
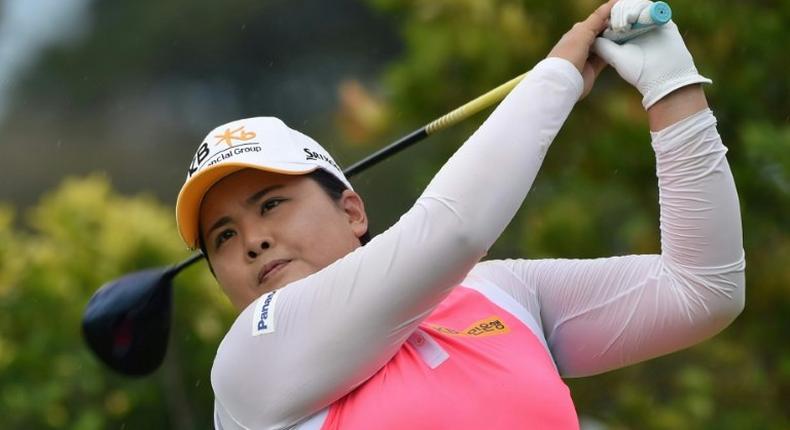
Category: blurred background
[103,102]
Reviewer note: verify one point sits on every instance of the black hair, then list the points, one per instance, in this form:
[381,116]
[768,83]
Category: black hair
[334,189]
[332,186]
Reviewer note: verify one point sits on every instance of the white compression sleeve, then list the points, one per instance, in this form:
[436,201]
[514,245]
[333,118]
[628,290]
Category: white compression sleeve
[337,327]
[607,313]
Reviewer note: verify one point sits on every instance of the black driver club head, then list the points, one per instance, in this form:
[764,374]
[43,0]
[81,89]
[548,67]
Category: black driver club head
[127,321]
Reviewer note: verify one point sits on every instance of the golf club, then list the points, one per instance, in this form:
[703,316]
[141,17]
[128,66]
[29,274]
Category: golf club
[127,321]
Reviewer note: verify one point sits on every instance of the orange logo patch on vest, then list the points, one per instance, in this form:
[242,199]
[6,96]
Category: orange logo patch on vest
[490,326]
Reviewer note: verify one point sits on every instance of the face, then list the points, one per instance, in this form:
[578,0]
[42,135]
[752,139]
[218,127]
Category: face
[264,230]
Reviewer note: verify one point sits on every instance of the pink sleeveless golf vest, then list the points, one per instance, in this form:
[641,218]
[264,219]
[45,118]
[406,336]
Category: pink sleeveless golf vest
[477,362]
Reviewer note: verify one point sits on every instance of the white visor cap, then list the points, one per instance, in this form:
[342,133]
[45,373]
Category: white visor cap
[263,143]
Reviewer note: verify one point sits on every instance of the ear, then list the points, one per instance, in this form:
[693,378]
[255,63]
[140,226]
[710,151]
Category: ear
[351,203]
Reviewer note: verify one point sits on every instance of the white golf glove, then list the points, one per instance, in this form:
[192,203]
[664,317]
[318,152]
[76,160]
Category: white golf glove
[656,63]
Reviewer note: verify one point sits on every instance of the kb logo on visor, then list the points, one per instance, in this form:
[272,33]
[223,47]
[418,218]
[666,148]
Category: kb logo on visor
[228,138]
[238,134]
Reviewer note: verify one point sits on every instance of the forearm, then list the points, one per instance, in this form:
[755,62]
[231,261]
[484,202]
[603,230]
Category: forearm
[700,214]
[676,106]
[500,160]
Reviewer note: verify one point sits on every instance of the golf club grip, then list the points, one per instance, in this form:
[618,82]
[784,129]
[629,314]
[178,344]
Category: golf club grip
[656,15]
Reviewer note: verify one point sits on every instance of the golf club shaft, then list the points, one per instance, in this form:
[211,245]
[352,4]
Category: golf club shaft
[184,264]
[445,121]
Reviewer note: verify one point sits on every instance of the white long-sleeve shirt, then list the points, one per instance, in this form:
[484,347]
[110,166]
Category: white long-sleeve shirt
[301,354]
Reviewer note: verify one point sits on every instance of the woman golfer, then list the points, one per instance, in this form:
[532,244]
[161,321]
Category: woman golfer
[412,330]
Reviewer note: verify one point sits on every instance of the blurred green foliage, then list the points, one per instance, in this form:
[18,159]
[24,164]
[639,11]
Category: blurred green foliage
[78,237]
[595,196]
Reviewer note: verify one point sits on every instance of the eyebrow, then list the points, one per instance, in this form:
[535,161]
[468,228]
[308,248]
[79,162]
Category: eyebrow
[257,196]
[250,201]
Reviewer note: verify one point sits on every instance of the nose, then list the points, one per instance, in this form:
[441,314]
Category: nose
[256,247]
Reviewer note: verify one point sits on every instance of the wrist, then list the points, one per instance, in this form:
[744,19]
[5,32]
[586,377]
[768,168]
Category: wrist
[676,106]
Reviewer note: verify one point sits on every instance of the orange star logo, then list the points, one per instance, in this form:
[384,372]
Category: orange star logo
[230,135]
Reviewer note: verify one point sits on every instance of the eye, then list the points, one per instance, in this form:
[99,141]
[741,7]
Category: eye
[222,237]
[270,204]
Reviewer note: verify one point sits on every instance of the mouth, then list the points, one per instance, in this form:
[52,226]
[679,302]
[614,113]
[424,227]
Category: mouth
[270,269]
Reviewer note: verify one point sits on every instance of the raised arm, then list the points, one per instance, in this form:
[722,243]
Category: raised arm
[602,314]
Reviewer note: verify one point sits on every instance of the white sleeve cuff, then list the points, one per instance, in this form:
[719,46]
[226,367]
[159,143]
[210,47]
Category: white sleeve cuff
[563,68]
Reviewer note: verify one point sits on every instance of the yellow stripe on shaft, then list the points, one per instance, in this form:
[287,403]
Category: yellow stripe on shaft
[486,100]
